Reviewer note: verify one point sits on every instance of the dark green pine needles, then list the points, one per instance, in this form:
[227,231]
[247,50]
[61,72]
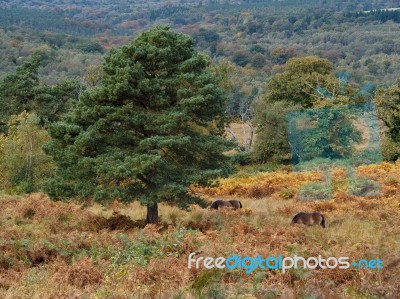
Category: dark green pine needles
[153,128]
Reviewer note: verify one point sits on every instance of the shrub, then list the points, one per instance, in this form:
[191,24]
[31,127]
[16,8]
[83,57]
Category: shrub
[242,158]
[315,191]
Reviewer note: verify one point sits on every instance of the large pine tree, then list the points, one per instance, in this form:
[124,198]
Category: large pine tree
[152,129]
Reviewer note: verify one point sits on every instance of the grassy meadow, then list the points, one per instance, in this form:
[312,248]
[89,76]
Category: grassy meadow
[64,250]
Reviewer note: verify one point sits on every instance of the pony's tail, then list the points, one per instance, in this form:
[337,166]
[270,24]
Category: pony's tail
[240,204]
[323,221]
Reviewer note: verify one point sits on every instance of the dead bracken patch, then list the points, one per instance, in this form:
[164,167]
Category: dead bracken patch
[259,191]
[81,252]
[83,273]
[118,222]
[202,226]
[29,213]
[41,256]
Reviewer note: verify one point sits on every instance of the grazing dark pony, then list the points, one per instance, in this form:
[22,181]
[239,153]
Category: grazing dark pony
[315,218]
[235,204]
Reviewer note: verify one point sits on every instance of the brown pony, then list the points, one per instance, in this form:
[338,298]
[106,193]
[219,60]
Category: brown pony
[235,204]
[309,219]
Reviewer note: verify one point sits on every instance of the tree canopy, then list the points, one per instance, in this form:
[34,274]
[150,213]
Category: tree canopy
[17,90]
[24,165]
[307,82]
[150,130]
[388,103]
[300,81]
[22,91]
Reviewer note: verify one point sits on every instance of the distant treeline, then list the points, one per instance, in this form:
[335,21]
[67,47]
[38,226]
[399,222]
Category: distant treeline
[43,20]
[379,15]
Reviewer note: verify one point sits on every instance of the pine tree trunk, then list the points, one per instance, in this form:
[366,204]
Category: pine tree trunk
[152,214]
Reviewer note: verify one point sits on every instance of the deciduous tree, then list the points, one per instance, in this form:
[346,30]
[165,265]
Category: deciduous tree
[388,105]
[24,165]
[301,81]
